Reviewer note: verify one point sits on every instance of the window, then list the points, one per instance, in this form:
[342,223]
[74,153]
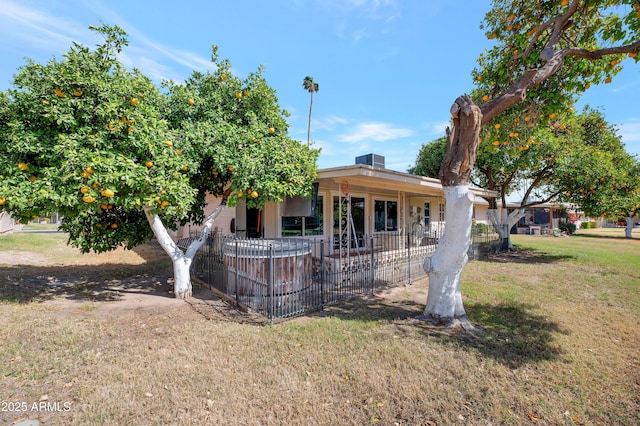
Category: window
[299,226]
[385,215]
[441,212]
[427,214]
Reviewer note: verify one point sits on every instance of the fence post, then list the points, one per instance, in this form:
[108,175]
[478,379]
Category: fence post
[270,293]
[409,257]
[322,300]
[235,287]
[373,269]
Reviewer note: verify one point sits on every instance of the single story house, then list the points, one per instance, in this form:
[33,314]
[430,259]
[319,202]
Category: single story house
[381,201]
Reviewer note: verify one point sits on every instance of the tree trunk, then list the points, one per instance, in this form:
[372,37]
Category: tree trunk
[182,287]
[444,300]
[504,224]
[629,228]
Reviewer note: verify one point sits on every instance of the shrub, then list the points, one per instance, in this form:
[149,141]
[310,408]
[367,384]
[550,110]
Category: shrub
[585,225]
[568,227]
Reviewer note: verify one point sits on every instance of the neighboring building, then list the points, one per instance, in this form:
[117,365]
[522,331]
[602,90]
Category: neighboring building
[381,201]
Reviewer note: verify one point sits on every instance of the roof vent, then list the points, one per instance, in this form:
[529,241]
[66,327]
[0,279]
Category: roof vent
[374,160]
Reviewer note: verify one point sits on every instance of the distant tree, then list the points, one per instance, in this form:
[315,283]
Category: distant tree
[312,87]
[122,161]
[546,54]
[430,158]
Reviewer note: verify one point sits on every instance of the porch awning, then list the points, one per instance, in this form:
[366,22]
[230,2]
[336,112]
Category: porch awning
[361,177]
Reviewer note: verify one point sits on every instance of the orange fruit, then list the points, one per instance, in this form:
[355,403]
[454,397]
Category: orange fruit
[149,163]
[33,178]
[107,193]
[169,143]
[164,204]
[633,54]
[240,194]
[77,93]
[272,130]
[2,200]
[563,3]
[88,199]
[84,189]
[497,126]
[485,98]
[23,166]
[608,80]
[245,93]
[552,115]
[104,206]
[89,170]
[495,143]
[134,101]
[254,194]
[191,101]
[46,102]
[238,95]
[114,225]
[59,93]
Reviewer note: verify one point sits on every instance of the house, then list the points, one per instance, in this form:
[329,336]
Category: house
[381,201]
[543,218]
[366,227]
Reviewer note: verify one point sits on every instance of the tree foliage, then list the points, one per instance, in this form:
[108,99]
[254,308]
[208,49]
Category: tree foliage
[430,158]
[100,144]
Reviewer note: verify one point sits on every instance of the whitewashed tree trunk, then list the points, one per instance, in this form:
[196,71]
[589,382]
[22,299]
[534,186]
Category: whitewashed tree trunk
[182,287]
[444,300]
[629,227]
[504,223]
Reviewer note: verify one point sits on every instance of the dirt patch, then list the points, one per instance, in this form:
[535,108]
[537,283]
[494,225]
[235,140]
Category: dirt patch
[14,257]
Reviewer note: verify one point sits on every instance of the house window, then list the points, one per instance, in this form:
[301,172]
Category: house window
[385,215]
[441,206]
[427,214]
[298,226]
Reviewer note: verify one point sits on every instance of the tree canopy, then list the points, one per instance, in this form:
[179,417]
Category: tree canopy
[104,147]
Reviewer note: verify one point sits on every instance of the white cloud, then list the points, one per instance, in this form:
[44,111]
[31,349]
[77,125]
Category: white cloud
[39,29]
[375,131]
[438,128]
[329,122]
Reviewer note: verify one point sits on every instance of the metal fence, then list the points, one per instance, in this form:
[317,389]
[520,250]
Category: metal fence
[287,277]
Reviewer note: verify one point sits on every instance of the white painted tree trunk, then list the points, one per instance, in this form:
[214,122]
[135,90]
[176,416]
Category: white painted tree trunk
[504,223]
[629,228]
[182,287]
[444,299]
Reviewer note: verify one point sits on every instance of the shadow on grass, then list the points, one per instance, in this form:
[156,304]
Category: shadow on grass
[526,255]
[512,334]
[28,284]
[607,237]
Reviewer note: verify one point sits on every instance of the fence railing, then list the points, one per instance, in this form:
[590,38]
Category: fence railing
[286,277]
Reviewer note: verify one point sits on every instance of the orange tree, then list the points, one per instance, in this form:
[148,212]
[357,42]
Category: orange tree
[121,161]
[546,53]
[601,178]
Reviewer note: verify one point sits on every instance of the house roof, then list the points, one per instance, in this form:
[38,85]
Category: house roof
[361,177]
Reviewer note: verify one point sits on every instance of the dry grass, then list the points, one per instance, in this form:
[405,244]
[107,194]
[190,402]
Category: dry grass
[561,346]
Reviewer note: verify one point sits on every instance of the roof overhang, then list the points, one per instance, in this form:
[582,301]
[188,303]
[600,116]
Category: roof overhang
[364,177]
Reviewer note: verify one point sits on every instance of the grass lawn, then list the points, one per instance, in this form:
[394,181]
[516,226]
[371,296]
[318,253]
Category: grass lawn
[94,340]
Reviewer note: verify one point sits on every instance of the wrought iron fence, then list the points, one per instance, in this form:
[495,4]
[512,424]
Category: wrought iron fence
[287,277]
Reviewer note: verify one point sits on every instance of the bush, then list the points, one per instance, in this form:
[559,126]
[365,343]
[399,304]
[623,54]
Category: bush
[569,228]
[585,225]
[479,228]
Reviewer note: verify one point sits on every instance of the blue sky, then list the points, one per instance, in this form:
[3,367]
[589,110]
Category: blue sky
[388,70]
